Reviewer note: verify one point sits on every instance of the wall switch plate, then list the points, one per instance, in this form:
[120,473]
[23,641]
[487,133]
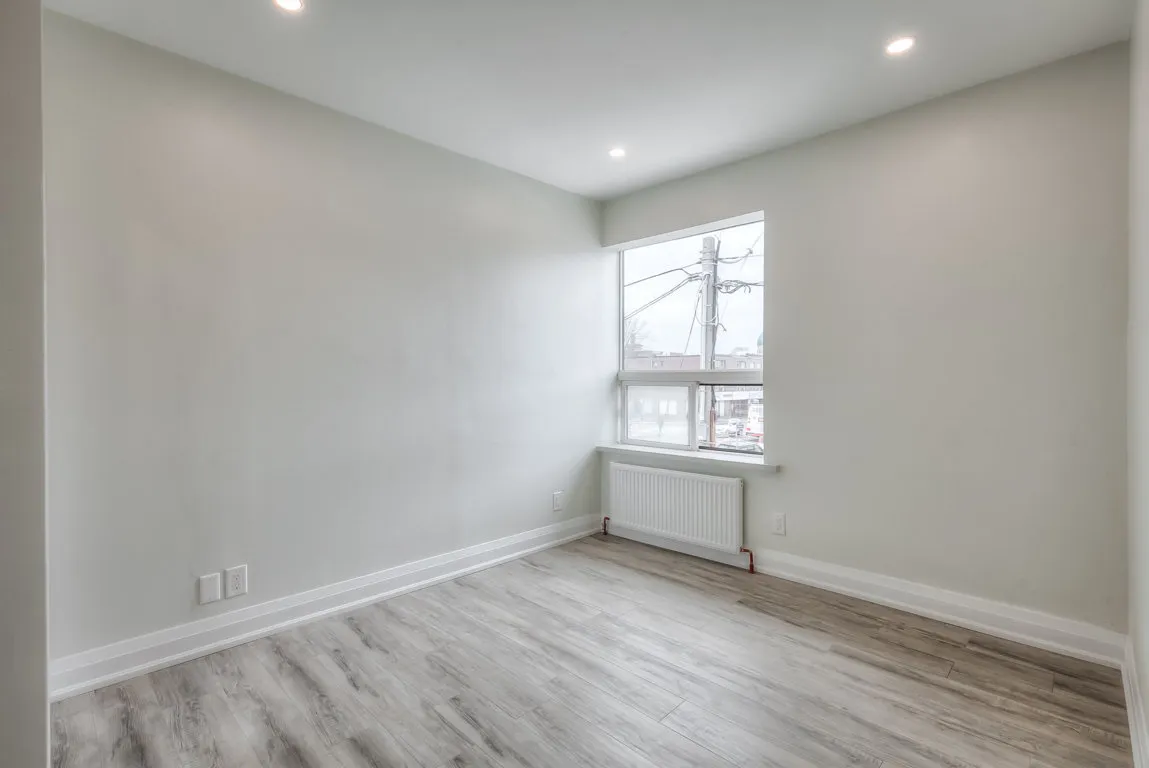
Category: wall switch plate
[209,588]
[235,581]
[778,524]
[557,499]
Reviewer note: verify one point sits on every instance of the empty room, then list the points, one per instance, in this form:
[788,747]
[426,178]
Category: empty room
[601,383]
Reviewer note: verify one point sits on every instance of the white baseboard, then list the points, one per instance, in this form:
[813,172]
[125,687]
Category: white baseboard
[1134,705]
[89,670]
[1024,625]
[694,550]
[1010,622]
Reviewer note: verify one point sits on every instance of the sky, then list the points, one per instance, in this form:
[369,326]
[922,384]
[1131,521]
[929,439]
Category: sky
[666,326]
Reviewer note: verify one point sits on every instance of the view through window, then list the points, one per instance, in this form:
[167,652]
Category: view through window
[692,341]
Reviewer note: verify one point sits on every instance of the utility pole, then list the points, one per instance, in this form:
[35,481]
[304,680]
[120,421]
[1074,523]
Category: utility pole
[709,302]
[709,326]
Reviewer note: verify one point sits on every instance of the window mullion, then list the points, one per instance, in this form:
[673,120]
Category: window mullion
[692,414]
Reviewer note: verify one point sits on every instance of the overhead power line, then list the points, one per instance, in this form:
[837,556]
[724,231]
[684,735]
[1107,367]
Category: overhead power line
[744,257]
[660,274]
[652,302]
[693,320]
[733,286]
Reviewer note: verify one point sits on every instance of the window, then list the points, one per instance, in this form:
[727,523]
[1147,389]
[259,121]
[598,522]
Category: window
[692,330]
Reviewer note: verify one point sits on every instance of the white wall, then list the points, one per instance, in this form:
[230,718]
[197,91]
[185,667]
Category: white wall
[945,328]
[283,337]
[1139,366]
[23,571]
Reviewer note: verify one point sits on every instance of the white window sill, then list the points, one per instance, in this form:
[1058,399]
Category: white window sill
[701,457]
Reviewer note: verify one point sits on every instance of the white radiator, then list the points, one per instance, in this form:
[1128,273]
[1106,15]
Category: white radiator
[695,509]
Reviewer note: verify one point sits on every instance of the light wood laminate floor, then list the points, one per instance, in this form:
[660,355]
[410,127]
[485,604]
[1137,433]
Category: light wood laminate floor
[609,653]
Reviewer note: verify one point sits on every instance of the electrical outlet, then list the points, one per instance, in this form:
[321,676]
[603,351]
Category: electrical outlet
[208,588]
[235,580]
[557,501]
[778,527]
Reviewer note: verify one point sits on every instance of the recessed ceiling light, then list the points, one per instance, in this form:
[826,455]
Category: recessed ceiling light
[618,153]
[900,46]
[291,6]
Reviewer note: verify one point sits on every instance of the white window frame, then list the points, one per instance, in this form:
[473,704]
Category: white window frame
[693,380]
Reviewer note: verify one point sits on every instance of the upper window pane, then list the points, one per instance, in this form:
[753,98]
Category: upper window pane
[695,303]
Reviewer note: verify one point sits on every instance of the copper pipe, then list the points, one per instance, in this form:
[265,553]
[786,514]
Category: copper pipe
[743,549]
[605,520]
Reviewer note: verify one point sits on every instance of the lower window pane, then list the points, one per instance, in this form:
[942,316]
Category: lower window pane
[658,415]
[730,419]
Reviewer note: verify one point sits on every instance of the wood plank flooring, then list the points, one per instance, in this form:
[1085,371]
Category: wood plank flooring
[606,653]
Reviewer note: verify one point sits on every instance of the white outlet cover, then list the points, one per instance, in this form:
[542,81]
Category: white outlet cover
[235,581]
[779,524]
[209,588]
[557,501]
